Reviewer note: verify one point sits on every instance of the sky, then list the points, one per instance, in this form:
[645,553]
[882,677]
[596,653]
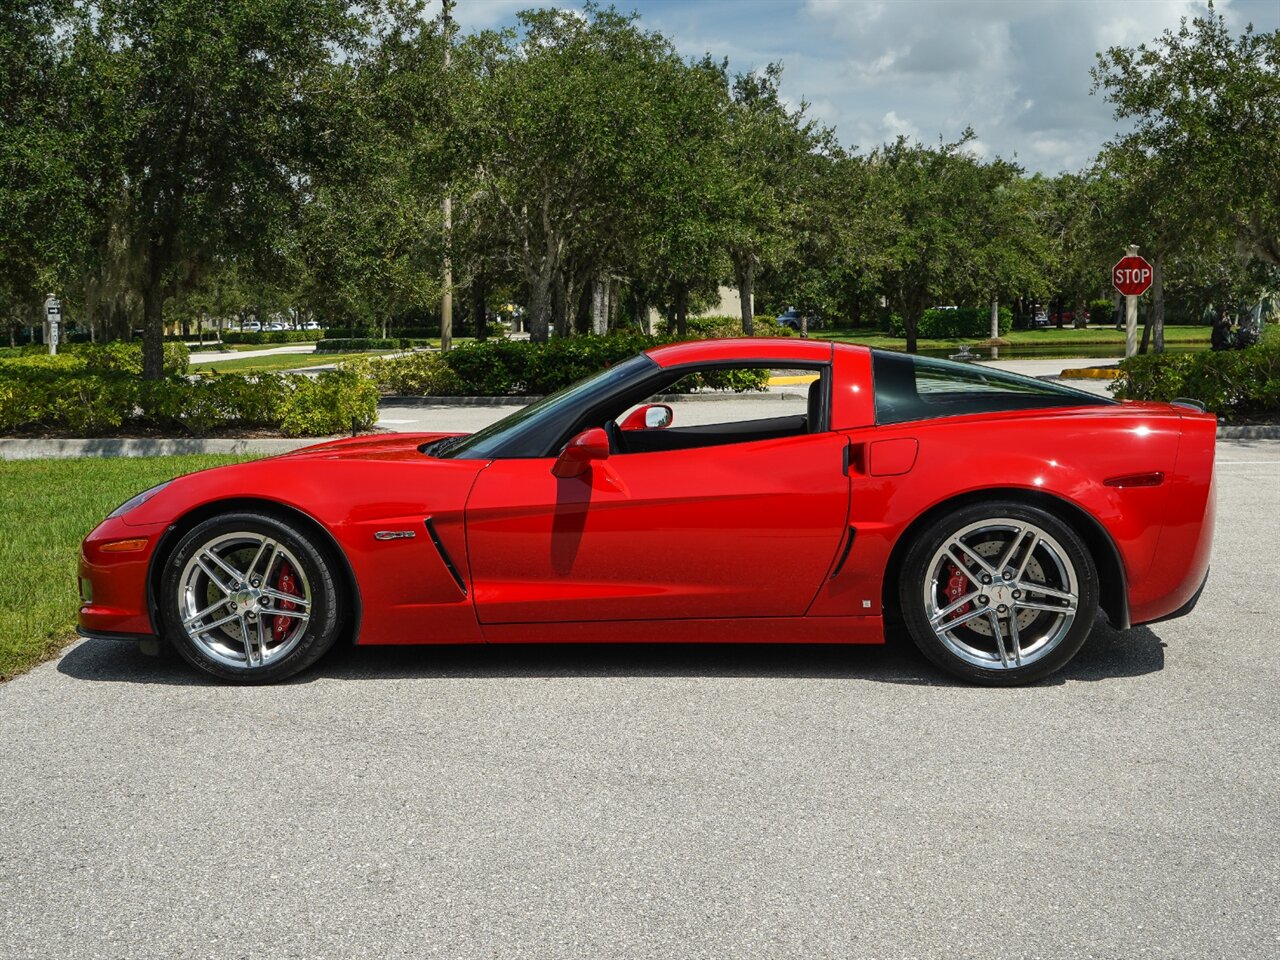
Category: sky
[1017,71]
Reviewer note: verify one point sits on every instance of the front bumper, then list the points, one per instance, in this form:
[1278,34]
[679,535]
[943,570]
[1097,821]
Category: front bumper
[113,585]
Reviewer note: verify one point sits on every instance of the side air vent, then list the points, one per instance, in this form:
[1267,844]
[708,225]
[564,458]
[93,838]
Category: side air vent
[444,557]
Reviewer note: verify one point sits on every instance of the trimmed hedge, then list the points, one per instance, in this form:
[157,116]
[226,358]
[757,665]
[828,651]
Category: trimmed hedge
[1234,384]
[717,327]
[356,343]
[960,323]
[273,336]
[522,368]
[116,357]
[67,396]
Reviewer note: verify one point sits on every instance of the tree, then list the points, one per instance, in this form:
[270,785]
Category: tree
[768,148]
[206,120]
[1205,107]
[41,196]
[950,227]
[684,231]
[370,238]
[563,138]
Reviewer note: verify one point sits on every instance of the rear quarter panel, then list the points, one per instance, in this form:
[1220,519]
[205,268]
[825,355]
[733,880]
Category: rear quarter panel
[1066,454]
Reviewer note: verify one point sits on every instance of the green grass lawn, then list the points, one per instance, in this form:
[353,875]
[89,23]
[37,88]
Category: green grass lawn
[50,505]
[271,364]
[1049,337]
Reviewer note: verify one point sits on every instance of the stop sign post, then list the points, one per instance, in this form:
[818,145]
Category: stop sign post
[1131,276]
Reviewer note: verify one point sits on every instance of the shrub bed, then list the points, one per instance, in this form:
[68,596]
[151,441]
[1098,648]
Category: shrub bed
[522,368]
[117,357]
[273,336]
[960,323]
[70,398]
[709,328]
[1234,384]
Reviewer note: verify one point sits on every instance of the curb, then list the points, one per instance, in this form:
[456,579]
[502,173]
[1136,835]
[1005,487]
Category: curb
[1090,373]
[409,401]
[158,447]
[1256,431]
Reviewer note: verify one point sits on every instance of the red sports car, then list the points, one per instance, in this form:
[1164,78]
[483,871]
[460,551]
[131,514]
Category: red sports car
[991,514]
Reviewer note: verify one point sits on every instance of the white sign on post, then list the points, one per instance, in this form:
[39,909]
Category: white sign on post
[53,317]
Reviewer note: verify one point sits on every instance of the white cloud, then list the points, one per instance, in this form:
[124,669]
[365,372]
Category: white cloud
[894,126]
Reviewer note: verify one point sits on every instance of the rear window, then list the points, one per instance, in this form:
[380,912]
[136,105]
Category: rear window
[921,388]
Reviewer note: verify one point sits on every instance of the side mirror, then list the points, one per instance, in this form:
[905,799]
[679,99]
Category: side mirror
[652,416]
[576,457]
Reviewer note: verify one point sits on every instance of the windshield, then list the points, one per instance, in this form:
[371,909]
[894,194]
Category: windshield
[531,430]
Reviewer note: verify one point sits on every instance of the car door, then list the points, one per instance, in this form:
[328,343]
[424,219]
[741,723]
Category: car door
[737,530]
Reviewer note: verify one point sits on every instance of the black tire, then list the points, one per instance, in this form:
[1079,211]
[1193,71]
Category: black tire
[963,651]
[316,635]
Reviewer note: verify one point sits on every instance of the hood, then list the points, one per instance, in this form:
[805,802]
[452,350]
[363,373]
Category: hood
[383,446]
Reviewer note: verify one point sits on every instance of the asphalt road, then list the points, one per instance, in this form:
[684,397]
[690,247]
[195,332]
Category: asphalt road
[666,802]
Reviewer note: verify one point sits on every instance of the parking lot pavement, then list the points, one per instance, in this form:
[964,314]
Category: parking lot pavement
[666,801]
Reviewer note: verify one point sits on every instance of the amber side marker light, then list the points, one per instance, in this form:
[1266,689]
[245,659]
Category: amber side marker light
[1136,480]
[124,546]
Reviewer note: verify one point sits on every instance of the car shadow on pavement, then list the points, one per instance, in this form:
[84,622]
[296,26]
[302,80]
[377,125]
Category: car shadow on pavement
[1107,654]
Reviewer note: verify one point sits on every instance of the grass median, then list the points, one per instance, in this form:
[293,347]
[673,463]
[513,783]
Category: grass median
[277,362]
[50,505]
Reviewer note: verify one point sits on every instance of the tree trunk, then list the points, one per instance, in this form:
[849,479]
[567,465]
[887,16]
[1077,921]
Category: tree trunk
[640,311]
[538,320]
[745,268]
[600,305]
[910,325]
[1146,332]
[1157,304]
[682,311]
[560,304]
[479,310]
[152,332]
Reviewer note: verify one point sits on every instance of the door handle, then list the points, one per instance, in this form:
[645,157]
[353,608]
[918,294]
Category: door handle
[854,458]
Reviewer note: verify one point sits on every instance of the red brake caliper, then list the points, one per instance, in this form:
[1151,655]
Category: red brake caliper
[956,588]
[285,583]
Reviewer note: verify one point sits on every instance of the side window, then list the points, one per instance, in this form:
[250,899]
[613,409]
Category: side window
[716,406]
[919,388]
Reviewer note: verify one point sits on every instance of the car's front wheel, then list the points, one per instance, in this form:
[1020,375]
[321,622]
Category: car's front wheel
[249,597]
[1000,593]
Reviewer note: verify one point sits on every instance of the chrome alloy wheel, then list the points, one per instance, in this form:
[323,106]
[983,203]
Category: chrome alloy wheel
[244,599]
[1001,593]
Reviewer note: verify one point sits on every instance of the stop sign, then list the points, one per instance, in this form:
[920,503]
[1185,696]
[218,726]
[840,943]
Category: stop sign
[1131,276]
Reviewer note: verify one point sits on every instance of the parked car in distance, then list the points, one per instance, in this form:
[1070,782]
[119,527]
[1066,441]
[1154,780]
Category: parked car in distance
[252,326]
[592,515]
[311,325]
[1040,320]
[791,318]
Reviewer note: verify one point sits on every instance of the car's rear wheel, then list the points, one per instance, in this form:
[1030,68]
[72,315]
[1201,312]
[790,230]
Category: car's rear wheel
[249,597]
[999,593]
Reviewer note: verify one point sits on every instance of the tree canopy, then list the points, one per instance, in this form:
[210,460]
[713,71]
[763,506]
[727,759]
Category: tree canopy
[179,158]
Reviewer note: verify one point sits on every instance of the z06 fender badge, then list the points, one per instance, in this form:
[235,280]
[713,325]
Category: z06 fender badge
[394,535]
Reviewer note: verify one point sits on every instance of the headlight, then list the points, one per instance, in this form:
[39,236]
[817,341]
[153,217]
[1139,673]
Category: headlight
[134,502]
